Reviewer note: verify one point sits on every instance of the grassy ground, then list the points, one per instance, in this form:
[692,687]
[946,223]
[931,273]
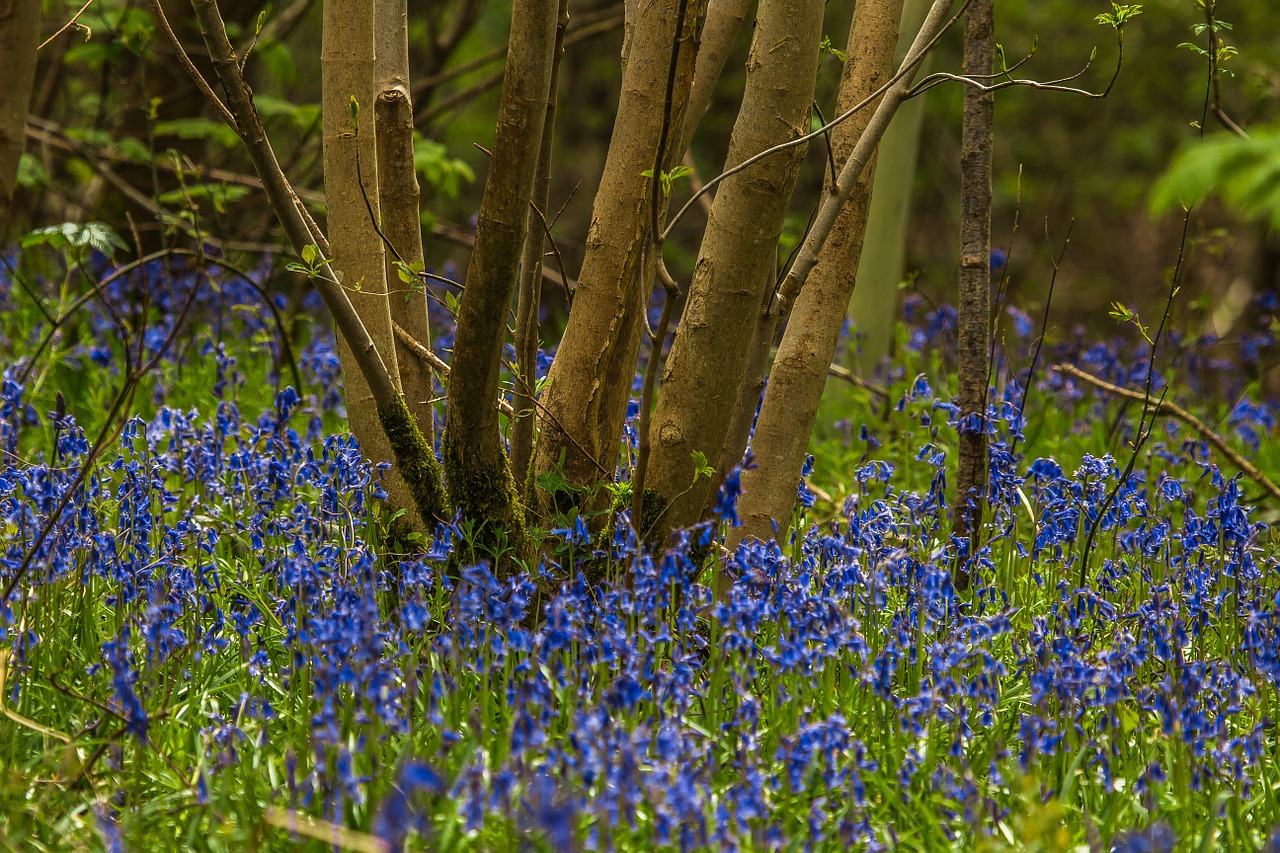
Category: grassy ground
[215,647]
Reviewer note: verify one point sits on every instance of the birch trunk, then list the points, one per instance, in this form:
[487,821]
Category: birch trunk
[580,421]
[398,199]
[19,36]
[975,278]
[707,361]
[799,372]
[476,466]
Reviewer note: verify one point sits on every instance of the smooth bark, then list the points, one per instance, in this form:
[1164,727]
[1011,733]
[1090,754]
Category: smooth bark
[523,426]
[974,329]
[398,199]
[580,421]
[799,372]
[19,36]
[476,466]
[416,462]
[873,308]
[710,353]
[351,203]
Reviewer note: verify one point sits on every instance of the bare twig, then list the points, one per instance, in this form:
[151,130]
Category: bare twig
[1164,407]
[1044,323]
[857,381]
[187,65]
[588,27]
[438,364]
[656,339]
[283,23]
[74,22]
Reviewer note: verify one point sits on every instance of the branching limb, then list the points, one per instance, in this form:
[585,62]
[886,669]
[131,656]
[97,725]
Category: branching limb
[914,57]
[438,364]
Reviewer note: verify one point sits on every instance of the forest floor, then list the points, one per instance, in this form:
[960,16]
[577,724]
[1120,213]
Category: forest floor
[211,644]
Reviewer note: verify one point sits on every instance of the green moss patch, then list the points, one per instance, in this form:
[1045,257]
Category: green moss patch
[416,462]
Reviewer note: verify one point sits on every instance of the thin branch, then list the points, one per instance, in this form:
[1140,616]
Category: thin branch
[656,339]
[187,65]
[555,250]
[664,133]
[437,363]
[1164,407]
[974,80]
[913,58]
[74,22]
[1044,324]
[857,381]
[608,20]
[282,24]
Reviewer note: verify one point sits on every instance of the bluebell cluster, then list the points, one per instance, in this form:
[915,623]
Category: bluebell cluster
[840,679]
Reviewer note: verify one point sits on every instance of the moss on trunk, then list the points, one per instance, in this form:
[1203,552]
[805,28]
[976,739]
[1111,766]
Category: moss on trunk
[486,496]
[416,461]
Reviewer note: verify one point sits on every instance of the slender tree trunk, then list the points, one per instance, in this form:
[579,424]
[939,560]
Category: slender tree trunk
[351,200]
[873,308]
[524,425]
[707,361]
[724,20]
[580,421]
[398,200]
[752,386]
[476,466]
[799,372]
[19,35]
[413,455]
[975,277]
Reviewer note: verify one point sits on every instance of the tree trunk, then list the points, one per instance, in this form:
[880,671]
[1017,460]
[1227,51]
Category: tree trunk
[799,371]
[524,425]
[724,19]
[19,36]
[351,202]
[398,204]
[413,455]
[707,361]
[585,403]
[975,278]
[476,466]
[752,386]
[873,308]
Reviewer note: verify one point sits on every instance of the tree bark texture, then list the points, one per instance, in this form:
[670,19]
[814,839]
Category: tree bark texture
[416,461]
[724,20]
[476,466]
[590,381]
[974,329]
[398,199]
[747,403]
[707,361]
[347,53]
[524,424]
[19,36]
[873,308]
[808,345]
